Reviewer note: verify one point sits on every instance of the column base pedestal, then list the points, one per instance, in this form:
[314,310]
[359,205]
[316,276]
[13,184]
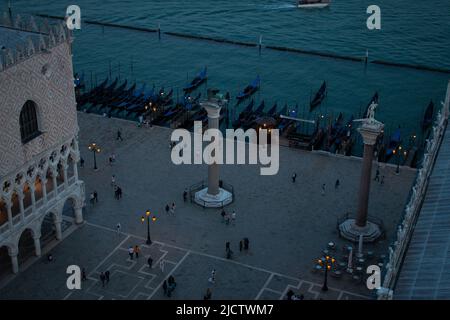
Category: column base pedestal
[350,231]
[219,200]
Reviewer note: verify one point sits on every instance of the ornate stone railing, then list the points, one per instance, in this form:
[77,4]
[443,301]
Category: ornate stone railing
[416,197]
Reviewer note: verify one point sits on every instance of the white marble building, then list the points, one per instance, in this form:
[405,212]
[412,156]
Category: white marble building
[38,137]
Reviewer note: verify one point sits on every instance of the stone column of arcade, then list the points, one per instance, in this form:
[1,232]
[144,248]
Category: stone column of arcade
[213,195]
[352,228]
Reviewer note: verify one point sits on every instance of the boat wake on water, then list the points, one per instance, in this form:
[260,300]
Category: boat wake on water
[279,6]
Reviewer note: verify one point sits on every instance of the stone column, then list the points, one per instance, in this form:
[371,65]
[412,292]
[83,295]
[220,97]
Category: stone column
[75,170]
[55,182]
[22,209]
[44,189]
[213,195]
[37,244]
[369,138]
[58,230]
[10,217]
[14,261]
[78,214]
[213,110]
[66,180]
[33,196]
[359,227]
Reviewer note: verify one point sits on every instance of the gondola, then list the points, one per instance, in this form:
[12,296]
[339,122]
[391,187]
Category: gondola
[272,111]
[196,82]
[319,96]
[428,117]
[244,113]
[252,116]
[249,90]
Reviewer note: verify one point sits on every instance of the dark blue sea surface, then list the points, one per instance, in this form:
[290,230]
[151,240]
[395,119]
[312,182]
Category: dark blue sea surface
[414,32]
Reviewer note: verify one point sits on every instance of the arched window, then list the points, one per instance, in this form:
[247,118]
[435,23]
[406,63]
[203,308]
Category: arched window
[28,122]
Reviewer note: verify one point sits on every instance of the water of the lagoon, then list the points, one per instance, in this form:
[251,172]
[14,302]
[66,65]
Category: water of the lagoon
[414,32]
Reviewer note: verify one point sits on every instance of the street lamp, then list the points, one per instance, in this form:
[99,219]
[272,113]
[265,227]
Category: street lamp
[147,216]
[398,152]
[95,149]
[326,263]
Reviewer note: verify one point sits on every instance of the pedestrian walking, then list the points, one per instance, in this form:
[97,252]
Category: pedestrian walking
[119,193]
[81,162]
[240,246]
[113,157]
[95,196]
[172,209]
[336,185]
[131,252]
[227,246]
[161,265]
[246,243]
[377,175]
[382,180]
[223,214]
[233,217]
[113,180]
[167,209]
[227,219]
[110,160]
[83,274]
[185,194]
[150,262]
[92,198]
[289,294]
[118,227]
[294,176]
[119,135]
[107,276]
[207,295]
[212,279]
[164,286]
[171,285]
[102,279]
[136,251]
[323,189]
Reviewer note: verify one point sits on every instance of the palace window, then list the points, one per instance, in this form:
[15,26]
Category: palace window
[28,122]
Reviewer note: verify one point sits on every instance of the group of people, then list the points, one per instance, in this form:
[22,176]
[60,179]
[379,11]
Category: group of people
[93,197]
[290,295]
[134,252]
[169,286]
[170,209]
[117,189]
[244,245]
[226,217]
[336,184]
[104,277]
[377,177]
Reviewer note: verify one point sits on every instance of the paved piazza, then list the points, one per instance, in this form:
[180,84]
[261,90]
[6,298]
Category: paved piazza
[288,224]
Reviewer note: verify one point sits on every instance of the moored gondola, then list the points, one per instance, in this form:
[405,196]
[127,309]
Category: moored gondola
[249,90]
[319,96]
[196,82]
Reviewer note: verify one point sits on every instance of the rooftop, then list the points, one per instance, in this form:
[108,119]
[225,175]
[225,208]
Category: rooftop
[424,274]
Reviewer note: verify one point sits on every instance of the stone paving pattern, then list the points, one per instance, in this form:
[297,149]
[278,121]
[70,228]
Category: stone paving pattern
[288,224]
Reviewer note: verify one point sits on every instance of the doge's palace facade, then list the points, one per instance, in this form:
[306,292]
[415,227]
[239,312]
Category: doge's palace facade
[38,136]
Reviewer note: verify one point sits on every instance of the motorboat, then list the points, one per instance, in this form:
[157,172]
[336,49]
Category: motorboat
[313,3]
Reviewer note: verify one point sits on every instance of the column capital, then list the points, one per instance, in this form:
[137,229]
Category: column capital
[370,133]
[213,109]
